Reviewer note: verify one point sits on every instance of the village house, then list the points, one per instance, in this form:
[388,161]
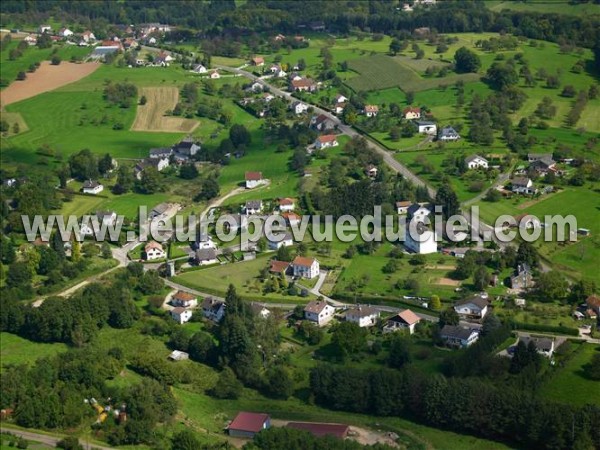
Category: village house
[363,316]
[287,241]
[286,204]
[523,185]
[203,241]
[422,240]
[326,141]
[45,29]
[91,187]
[130,43]
[159,210]
[319,312]
[258,61]
[371,171]
[340,99]
[543,165]
[259,310]
[160,153]
[253,179]
[214,75]
[213,309]
[304,267]
[65,33]
[523,277]
[418,212]
[107,217]
[184,299]
[371,110]
[30,39]
[426,127]
[412,113]
[593,303]
[338,108]
[279,267]
[247,424]
[476,162]
[404,320]
[532,157]
[87,36]
[159,163]
[475,307]
[206,256]
[448,134]
[322,123]
[253,207]
[181,315]
[153,250]
[402,207]
[267,97]
[291,218]
[543,345]
[187,147]
[294,76]
[299,107]
[199,68]
[457,336]
[303,85]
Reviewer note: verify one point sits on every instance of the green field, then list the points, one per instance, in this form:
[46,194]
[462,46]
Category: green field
[569,384]
[16,350]
[546,6]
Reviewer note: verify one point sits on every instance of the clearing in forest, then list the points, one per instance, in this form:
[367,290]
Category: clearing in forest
[151,116]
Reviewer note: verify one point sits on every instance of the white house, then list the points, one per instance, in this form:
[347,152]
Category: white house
[181,315]
[411,113]
[30,39]
[544,346]
[287,241]
[304,267]
[319,312]
[476,162]
[291,218]
[326,141]
[402,207]
[475,307]
[259,310]
[253,179]
[214,75]
[523,185]
[107,217]
[418,212]
[426,127]
[65,32]
[448,134]
[205,241]
[184,299]
[423,242]
[154,250]
[88,36]
[45,29]
[404,320]
[338,108]
[253,207]
[299,107]
[92,187]
[457,336]
[341,98]
[199,68]
[286,204]
[371,110]
[213,309]
[363,316]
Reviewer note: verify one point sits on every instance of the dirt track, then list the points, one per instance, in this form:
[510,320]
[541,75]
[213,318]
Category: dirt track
[46,78]
[151,116]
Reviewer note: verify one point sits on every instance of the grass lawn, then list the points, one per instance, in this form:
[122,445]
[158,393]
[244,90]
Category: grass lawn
[546,6]
[569,384]
[17,350]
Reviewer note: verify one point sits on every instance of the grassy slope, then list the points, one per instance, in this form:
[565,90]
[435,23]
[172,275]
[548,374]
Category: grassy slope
[16,350]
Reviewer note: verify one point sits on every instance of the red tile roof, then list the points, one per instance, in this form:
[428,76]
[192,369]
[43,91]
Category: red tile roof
[253,176]
[408,317]
[152,244]
[286,201]
[279,266]
[327,138]
[303,261]
[593,301]
[247,421]
[411,109]
[371,108]
[184,296]
[321,429]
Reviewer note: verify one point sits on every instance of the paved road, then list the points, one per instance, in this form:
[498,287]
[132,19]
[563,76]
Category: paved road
[48,440]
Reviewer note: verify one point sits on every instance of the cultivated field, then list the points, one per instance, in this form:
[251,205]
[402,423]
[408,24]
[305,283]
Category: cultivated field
[151,116]
[382,72]
[46,78]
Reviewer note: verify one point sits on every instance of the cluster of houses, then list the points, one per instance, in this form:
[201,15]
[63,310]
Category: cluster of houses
[416,116]
[161,158]
[540,164]
[590,309]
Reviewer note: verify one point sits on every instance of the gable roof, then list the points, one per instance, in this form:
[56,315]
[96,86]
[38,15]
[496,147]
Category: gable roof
[410,109]
[254,176]
[520,181]
[541,343]
[286,201]
[90,184]
[254,204]
[448,131]
[362,311]
[212,304]
[415,207]
[178,310]
[472,158]
[258,60]
[407,316]
[475,300]
[184,296]
[303,82]
[153,245]
[279,266]
[371,108]
[315,307]
[303,261]
[247,421]
[162,151]
[161,208]
[327,138]
[403,204]
[456,332]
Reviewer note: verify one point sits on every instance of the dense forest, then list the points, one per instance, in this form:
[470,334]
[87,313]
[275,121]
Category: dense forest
[218,17]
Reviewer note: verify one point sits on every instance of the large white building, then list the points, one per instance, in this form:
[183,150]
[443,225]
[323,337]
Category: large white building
[363,316]
[422,240]
[181,315]
[305,267]
[319,312]
[154,250]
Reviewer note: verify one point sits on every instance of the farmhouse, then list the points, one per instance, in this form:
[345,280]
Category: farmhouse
[523,277]
[523,185]
[287,241]
[247,424]
[253,207]
[184,299]
[154,250]
[322,123]
[159,210]
[457,336]
[544,346]
[253,179]
[303,85]
[476,162]
[448,134]
[543,165]
[186,147]
[363,316]
[426,127]
[213,309]
[321,429]
[326,141]
[371,110]
[92,187]
[204,240]
[320,312]
[338,108]
[304,267]
[402,207]
[299,107]
[206,256]
[475,307]
[279,267]
[181,315]
[286,204]
[199,68]
[411,113]
[404,320]
[130,43]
